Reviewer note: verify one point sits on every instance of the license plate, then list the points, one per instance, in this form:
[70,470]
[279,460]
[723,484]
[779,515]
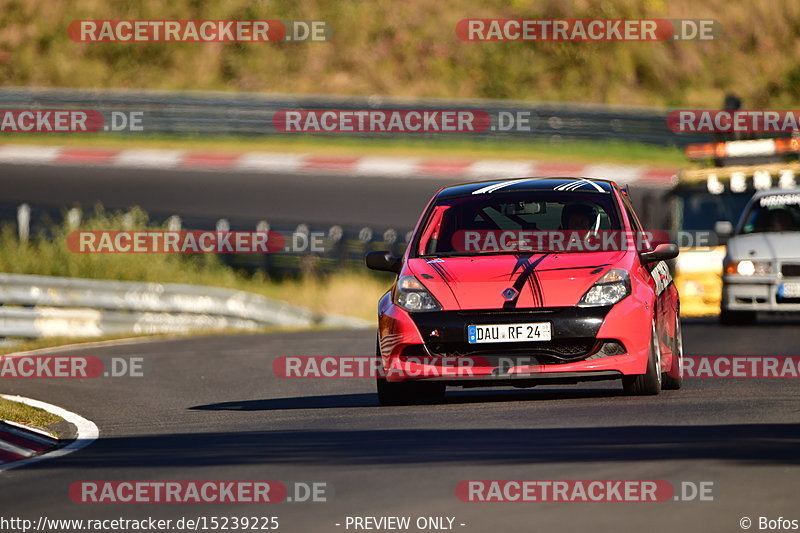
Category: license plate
[529,332]
[789,290]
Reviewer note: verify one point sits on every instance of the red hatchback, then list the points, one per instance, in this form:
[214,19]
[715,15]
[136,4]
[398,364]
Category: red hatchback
[524,282]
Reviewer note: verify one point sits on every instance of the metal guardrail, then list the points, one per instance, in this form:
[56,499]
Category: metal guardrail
[251,114]
[343,246]
[45,306]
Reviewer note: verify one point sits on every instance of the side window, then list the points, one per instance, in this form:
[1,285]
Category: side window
[636,226]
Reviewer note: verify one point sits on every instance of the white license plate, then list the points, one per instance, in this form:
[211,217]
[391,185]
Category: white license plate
[534,331]
[789,290]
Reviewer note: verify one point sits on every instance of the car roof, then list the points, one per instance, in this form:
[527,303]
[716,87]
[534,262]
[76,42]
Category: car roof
[565,184]
[773,192]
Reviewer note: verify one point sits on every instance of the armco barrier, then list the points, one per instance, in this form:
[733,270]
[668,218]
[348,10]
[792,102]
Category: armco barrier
[251,114]
[45,306]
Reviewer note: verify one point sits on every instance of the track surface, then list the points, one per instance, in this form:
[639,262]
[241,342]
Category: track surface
[211,409]
[288,198]
[332,199]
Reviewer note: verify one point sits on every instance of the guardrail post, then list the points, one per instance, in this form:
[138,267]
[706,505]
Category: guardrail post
[174,223]
[74,218]
[24,222]
[224,226]
[266,263]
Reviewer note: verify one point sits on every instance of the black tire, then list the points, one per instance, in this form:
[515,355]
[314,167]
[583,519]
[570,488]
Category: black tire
[407,392]
[736,318]
[648,384]
[668,382]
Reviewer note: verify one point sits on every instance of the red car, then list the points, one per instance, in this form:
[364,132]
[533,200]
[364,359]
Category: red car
[525,282]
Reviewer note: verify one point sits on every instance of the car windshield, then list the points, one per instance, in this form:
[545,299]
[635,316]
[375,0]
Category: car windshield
[518,213]
[773,213]
[701,210]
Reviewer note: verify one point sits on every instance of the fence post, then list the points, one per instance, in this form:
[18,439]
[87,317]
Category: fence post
[24,222]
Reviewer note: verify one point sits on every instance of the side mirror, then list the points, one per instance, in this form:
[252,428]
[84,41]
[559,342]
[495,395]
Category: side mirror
[383,261]
[723,228]
[662,252]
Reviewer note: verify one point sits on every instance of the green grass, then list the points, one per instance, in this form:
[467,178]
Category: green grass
[618,152]
[410,49]
[353,293]
[25,414]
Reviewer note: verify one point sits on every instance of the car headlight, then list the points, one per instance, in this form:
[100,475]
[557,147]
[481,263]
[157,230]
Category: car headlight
[608,290]
[412,295]
[748,268]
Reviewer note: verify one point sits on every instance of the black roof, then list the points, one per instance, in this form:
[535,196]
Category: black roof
[576,184]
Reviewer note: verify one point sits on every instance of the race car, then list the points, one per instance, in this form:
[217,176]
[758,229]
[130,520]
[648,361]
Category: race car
[762,259]
[525,282]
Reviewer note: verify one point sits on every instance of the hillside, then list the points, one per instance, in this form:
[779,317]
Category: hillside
[410,49]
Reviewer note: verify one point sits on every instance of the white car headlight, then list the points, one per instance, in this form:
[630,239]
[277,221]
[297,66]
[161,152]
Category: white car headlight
[412,296]
[608,290]
[748,268]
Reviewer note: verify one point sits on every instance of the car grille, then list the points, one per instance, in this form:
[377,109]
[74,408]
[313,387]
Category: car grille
[791,269]
[574,333]
[549,352]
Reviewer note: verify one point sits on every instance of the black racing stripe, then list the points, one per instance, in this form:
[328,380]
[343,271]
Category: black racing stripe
[441,271]
[539,300]
[528,267]
[446,273]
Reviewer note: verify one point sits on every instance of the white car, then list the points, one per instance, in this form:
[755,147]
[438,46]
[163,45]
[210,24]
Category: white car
[761,271]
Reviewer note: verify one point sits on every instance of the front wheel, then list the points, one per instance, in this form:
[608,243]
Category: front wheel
[649,383]
[407,392]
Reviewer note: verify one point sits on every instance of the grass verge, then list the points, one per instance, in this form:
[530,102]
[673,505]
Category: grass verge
[615,152]
[27,415]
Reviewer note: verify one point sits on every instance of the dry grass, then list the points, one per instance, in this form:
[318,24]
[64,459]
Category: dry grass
[345,293]
[410,49]
[25,414]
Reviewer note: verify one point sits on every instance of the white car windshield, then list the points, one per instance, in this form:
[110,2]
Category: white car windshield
[774,213]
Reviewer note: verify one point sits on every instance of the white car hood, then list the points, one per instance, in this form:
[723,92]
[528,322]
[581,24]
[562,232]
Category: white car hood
[765,246]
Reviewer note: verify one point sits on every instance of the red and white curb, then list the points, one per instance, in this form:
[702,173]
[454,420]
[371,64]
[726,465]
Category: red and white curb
[392,167]
[18,442]
[20,446]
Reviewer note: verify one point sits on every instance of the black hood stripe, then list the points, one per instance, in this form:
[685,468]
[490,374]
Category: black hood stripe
[443,273]
[527,275]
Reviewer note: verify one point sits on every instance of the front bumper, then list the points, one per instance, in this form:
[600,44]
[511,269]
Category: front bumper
[433,346]
[757,294]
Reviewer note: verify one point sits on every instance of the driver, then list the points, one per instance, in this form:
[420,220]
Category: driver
[578,217]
